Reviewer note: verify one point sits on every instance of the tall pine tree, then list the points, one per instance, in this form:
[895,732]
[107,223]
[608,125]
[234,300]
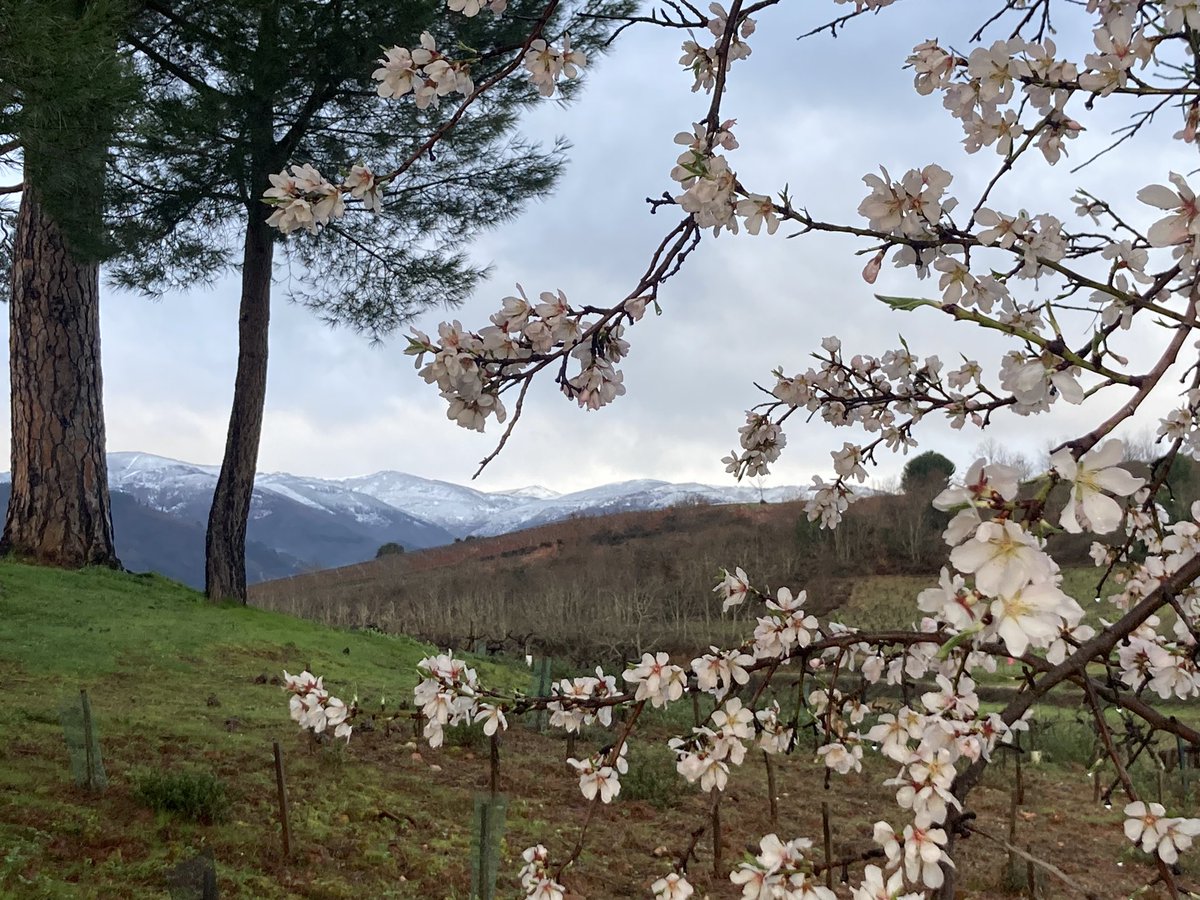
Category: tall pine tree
[239,88]
[63,85]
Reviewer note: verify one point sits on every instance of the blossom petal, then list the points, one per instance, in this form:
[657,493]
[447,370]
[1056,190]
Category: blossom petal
[1159,195]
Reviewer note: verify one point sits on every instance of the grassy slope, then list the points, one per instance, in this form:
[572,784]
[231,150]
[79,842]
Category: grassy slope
[151,653]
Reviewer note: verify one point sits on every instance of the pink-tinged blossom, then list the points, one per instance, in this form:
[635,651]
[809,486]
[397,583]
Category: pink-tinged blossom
[657,679]
[1177,836]
[758,210]
[397,73]
[362,186]
[732,589]
[303,199]
[774,735]
[734,720]
[672,887]
[894,732]
[535,876]
[985,484]
[1144,824]
[719,671]
[546,64]
[599,779]
[924,855]
[952,601]
[312,707]
[874,887]
[841,758]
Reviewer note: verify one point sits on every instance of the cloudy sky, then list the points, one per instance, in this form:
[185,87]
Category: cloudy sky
[815,114]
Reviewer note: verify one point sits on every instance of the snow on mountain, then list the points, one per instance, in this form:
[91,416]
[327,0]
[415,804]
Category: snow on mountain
[374,501]
[320,523]
[455,507]
[167,485]
[331,497]
[532,492]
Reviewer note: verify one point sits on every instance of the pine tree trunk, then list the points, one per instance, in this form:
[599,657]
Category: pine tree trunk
[225,549]
[59,512]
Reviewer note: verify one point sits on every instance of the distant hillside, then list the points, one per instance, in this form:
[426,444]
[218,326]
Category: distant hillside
[610,585]
[621,584]
[299,524]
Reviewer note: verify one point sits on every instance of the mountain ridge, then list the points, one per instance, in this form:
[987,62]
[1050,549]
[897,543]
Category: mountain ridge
[304,523]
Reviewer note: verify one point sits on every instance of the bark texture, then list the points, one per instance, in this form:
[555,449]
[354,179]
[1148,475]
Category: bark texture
[225,550]
[59,512]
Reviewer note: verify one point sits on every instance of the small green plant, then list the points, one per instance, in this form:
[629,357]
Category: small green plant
[651,776]
[196,796]
[469,736]
[1067,741]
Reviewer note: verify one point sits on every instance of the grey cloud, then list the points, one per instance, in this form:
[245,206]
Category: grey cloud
[816,114]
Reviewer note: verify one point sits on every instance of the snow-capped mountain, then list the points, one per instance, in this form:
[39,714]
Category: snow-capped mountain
[161,508]
[455,507]
[318,522]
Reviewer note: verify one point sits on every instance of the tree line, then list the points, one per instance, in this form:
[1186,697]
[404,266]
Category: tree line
[143,134]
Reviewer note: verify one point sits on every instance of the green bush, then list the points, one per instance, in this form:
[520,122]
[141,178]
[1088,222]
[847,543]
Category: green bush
[196,796]
[651,776]
[469,736]
[1065,741]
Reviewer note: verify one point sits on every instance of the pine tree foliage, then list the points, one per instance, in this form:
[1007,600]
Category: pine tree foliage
[66,86]
[244,87]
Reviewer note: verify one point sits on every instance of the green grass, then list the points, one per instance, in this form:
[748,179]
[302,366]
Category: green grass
[886,602]
[195,796]
[176,685]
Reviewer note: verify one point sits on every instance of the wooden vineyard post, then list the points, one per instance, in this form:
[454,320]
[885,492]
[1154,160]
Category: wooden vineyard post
[88,737]
[83,742]
[1183,772]
[716,833]
[539,686]
[281,787]
[487,830]
[827,840]
[771,788]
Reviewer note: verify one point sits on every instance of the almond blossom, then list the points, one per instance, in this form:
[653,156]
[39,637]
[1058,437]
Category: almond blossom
[1064,299]
[1003,558]
[1184,223]
[672,887]
[1092,474]
[873,886]
[657,679]
[732,589]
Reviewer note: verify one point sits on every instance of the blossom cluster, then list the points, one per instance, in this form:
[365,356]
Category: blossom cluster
[707,62]
[577,706]
[600,774]
[424,72]
[471,368]
[1024,274]
[314,708]
[779,870]
[547,64]
[448,695]
[305,199]
[535,876]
